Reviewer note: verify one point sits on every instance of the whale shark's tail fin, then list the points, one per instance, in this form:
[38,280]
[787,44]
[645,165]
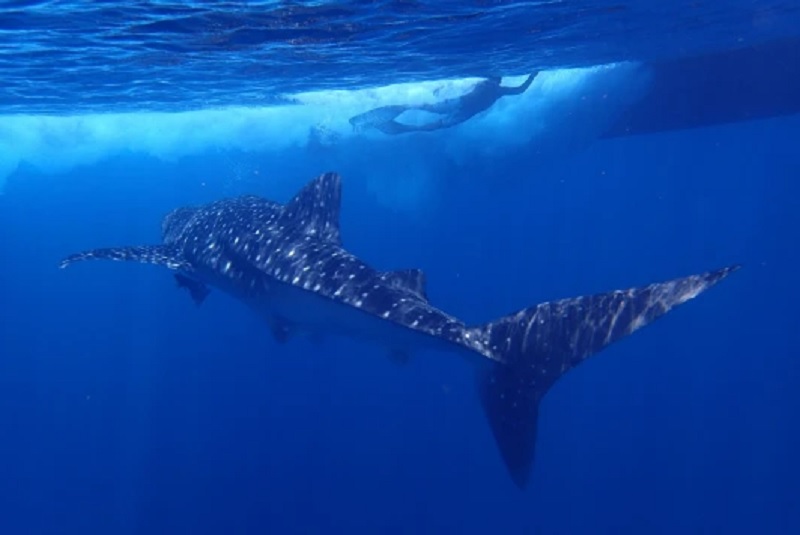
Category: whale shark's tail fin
[536,346]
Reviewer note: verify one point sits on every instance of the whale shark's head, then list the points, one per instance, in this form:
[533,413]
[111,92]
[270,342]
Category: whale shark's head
[174,223]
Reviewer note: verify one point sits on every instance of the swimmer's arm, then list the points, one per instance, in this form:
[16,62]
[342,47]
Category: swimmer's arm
[520,88]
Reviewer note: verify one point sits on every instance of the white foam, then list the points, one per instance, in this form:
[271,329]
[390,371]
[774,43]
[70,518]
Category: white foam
[559,109]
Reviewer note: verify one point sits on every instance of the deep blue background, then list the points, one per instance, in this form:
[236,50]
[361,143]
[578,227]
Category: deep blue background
[126,409]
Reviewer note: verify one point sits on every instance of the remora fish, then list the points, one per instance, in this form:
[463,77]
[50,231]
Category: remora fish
[288,264]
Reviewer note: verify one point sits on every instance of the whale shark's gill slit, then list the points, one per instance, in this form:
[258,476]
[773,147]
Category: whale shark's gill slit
[536,346]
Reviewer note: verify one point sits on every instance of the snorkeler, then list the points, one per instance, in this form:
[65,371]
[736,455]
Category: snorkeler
[453,110]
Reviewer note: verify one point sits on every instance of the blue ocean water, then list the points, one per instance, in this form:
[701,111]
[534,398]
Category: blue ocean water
[127,409]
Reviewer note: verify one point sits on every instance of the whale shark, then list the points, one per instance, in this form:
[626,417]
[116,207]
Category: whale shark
[288,264]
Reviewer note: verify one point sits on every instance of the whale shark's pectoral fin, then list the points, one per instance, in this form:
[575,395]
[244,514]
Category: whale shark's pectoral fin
[162,255]
[197,290]
[533,348]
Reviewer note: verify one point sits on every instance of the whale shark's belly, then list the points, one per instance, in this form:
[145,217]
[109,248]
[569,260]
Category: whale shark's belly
[305,311]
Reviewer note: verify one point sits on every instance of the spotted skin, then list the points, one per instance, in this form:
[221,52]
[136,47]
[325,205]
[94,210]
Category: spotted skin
[287,262]
[162,255]
[540,344]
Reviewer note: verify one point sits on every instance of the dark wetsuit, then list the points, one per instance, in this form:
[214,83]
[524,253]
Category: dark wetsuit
[453,110]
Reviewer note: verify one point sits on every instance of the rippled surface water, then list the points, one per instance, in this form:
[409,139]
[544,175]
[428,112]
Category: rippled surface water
[65,57]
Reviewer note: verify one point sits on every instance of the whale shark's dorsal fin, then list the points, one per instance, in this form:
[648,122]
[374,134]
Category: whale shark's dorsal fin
[315,209]
[411,280]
